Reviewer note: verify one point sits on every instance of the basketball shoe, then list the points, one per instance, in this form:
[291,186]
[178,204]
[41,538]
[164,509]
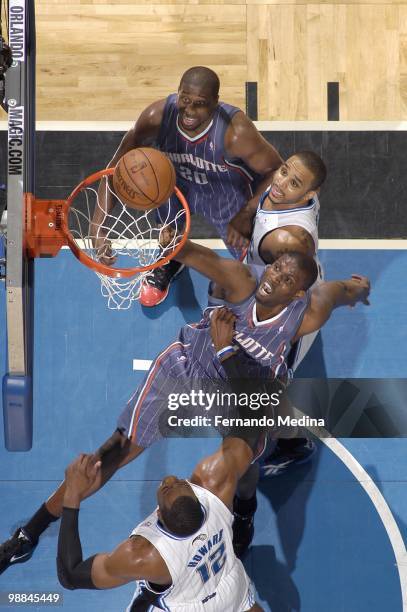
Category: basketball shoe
[16,549]
[156,286]
[286,454]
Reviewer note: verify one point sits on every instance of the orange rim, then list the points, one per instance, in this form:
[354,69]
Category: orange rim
[102,268]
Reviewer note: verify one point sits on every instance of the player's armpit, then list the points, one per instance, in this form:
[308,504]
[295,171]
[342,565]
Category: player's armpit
[283,240]
[231,275]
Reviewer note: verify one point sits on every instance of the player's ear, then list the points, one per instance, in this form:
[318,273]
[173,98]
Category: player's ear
[309,195]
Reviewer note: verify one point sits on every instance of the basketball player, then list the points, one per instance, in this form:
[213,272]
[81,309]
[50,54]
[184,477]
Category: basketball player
[286,219]
[273,309]
[181,555]
[217,153]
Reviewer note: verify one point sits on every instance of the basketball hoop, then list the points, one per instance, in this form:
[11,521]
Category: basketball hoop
[122,251]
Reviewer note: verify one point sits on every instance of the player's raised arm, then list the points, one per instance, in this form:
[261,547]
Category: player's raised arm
[220,472]
[144,133]
[230,275]
[244,141]
[133,559]
[240,226]
[330,295]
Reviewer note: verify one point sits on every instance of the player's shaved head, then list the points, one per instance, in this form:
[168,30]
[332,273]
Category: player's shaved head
[307,265]
[184,517]
[202,77]
[315,165]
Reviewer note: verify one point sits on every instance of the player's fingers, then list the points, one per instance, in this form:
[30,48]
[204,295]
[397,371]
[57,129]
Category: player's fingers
[361,278]
[81,460]
[87,461]
[96,467]
[223,313]
[231,239]
[94,457]
[108,260]
[215,314]
[239,241]
[243,242]
[230,317]
[227,314]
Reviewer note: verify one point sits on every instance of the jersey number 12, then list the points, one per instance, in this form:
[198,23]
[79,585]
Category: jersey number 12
[215,563]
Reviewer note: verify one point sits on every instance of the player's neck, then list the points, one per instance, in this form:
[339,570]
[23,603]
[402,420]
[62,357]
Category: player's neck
[268,204]
[268,312]
[197,132]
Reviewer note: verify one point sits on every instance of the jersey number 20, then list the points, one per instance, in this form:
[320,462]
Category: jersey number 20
[199,178]
[215,563]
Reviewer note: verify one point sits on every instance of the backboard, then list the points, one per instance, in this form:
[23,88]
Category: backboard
[19,281]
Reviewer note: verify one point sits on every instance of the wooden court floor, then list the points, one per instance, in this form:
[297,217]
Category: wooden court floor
[107,59]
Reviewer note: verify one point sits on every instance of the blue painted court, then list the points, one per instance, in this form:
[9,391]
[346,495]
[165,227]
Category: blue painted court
[330,536]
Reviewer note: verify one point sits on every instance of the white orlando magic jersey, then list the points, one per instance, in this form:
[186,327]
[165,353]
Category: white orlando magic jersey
[206,575]
[268,220]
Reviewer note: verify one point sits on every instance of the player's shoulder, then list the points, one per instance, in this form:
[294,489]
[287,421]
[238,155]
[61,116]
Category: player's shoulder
[291,237]
[139,552]
[153,113]
[240,123]
[241,135]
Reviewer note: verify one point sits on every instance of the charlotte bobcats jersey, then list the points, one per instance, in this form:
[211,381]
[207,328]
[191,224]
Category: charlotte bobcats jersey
[215,186]
[264,344]
[268,220]
[206,575]
[191,362]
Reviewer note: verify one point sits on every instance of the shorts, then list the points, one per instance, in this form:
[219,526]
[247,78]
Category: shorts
[142,419]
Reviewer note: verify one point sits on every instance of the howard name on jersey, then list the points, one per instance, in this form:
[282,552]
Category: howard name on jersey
[203,566]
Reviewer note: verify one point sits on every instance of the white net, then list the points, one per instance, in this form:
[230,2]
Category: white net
[127,242]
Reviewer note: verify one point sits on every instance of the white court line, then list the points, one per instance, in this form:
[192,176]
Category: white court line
[263,126]
[329,243]
[142,364]
[381,506]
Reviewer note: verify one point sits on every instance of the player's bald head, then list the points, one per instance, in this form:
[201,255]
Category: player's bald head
[202,77]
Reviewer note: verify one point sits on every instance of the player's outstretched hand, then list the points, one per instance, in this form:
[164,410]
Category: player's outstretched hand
[167,236]
[104,251]
[235,239]
[222,327]
[81,474]
[361,286]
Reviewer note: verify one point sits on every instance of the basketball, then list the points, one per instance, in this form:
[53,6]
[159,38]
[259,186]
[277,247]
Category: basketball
[144,178]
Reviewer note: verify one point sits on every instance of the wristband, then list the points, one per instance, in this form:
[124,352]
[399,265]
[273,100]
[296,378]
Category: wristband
[226,350]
